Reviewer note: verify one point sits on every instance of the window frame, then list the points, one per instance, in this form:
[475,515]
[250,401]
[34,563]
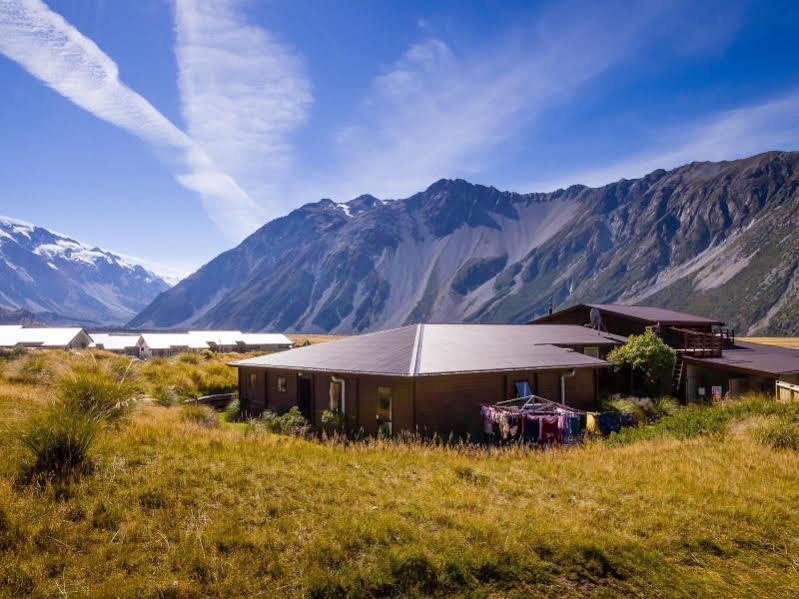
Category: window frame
[591,350]
[342,400]
[526,383]
[281,383]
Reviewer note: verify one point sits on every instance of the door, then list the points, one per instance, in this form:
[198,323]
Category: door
[384,411]
[304,394]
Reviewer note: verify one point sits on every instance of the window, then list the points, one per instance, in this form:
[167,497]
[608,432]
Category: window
[281,384]
[336,395]
[383,411]
[253,379]
[523,389]
[592,351]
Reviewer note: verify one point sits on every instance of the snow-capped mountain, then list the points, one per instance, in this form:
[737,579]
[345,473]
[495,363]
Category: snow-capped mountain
[720,239]
[59,279]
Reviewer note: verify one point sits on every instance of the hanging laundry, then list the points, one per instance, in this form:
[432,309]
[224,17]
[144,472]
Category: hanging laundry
[549,429]
[609,422]
[531,429]
[488,422]
[590,423]
[573,425]
[514,423]
[504,425]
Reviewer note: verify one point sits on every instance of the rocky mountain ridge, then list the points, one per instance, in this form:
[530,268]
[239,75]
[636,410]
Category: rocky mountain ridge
[712,238]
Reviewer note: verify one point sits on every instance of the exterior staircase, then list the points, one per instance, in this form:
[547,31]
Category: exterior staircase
[677,377]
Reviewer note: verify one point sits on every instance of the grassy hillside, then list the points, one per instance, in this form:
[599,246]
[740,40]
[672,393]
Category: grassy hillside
[698,504]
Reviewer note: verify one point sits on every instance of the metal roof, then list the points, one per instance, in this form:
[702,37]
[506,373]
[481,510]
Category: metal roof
[48,336]
[770,360]
[264,339]
[430,349]
[651,314]
[8,335]
[173,340]
[655,314]
[222,338]
[114,342]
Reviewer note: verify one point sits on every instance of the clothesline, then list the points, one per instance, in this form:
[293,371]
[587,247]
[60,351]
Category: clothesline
[535,419]
[534,403]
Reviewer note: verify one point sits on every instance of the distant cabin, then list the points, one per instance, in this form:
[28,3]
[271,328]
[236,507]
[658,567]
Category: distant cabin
[44,337]
[119,343]
[168,344]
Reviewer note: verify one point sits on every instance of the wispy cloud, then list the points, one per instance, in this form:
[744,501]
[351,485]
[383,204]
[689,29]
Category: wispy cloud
[55,52]
[242,94]
[770,125]
[440,111]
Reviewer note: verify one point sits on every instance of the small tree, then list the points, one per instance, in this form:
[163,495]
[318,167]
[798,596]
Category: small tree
[647,358]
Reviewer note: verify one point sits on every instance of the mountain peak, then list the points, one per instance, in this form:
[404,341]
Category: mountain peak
[47,272]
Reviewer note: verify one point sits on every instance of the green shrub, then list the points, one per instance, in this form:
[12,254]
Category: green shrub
[290,423]
[232,411]
[34,370]
[332,421]
[57,442]
[95,391]
[644,409]
[781,434]
[189,358]
[11,353]
[165,395]
[201,415]
[648,360]
[684,423]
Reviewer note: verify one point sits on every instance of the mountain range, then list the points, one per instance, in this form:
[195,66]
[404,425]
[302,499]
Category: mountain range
[711,238]
[46,277]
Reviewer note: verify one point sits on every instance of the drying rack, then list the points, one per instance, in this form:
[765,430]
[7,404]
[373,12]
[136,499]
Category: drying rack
[534,404]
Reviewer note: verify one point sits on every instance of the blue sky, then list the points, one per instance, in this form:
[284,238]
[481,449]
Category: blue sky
[169,129]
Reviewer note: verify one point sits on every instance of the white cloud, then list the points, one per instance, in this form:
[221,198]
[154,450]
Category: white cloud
[439,112]
[242,93]
[770,125]
[52,50]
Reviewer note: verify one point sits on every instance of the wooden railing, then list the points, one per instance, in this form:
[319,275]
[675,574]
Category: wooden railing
[697,343]
[787,391]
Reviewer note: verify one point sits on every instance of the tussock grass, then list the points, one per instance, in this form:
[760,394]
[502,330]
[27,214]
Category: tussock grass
[201,415]
[58,440]
[173,509]
[98,391]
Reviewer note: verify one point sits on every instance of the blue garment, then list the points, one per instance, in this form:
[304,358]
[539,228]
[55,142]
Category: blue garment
[532,429]
[574,425]
[609,422]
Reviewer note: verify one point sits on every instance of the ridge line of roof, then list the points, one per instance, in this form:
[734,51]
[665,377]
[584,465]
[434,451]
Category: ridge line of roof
[413,367]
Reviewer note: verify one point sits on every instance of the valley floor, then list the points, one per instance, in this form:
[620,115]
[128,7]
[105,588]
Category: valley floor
[792,342]
[176,509]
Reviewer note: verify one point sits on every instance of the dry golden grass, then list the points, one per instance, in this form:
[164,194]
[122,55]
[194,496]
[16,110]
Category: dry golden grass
[792,342]
[301,339]
[177,509]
